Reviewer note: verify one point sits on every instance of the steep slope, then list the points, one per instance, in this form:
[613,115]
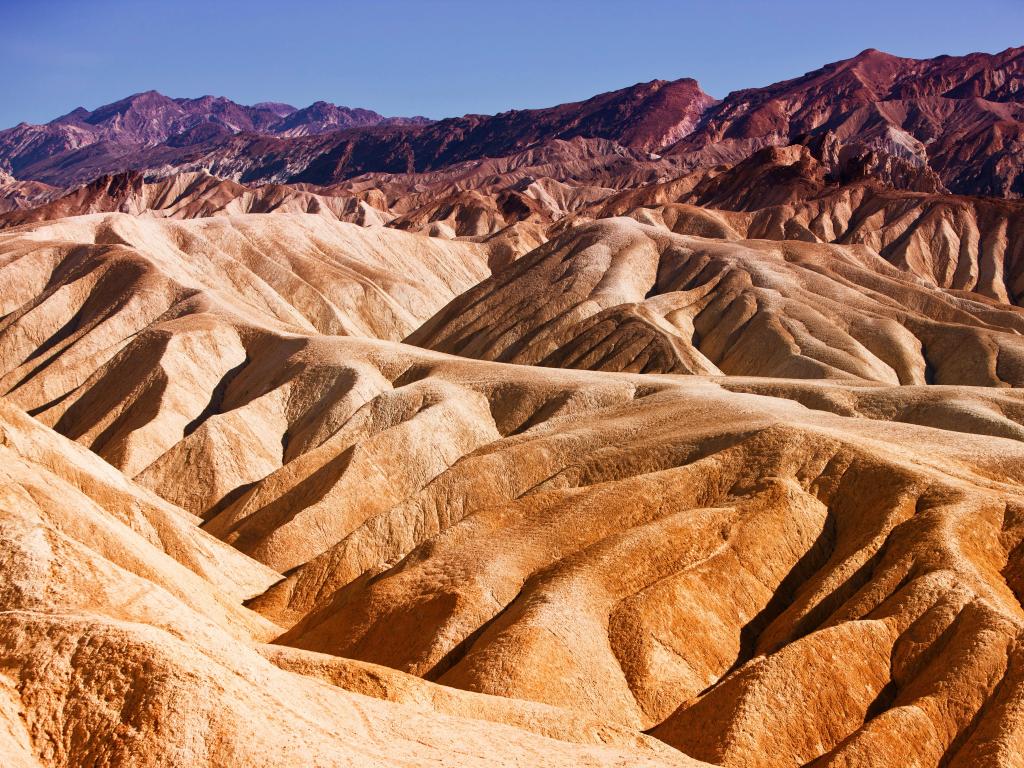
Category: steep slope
[528,572]
[86,498]
[648,542]
[114,654]
[960,116]
[621,296]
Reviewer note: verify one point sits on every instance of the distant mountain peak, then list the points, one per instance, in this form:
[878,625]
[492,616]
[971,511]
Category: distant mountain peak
[150,119]
[960,117]
[277,107]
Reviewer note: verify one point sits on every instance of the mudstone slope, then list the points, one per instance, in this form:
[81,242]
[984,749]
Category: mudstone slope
[628,432]
[535,565]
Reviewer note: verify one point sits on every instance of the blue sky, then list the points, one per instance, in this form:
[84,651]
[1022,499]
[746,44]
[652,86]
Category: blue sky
[451,57]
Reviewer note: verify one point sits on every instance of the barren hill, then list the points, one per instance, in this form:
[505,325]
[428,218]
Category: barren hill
[124,643]
[617,295]
[647,430]
[462,561]
[956,120]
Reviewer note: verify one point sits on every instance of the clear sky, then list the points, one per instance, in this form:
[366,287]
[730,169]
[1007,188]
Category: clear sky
[450,57]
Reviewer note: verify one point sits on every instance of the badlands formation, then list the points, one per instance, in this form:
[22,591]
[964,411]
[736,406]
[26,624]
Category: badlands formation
[640,440]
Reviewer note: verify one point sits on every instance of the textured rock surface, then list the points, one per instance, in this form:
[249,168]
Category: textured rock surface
[958,116]
[791,193]
[249,526]
[621,296]
[112,653]
[195,195]
[952,122]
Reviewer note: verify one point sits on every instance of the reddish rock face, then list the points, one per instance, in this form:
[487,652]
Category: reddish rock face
[958,116]
[955,120]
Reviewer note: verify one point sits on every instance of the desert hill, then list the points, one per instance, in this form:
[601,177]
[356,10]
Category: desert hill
[647,430]
[753,570]
[536,187]
[120,646]
[197,195]
[835,193]
[820,191]
[618,295]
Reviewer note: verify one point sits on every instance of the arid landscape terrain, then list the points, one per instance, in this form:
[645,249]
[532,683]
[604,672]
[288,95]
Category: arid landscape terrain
[649,430]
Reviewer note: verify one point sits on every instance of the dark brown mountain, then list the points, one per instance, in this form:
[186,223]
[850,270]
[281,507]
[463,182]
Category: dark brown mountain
[115,131]
[944,124]
[642,117]
[961,116]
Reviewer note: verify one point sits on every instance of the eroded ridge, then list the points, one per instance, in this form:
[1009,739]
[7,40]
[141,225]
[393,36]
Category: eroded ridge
[434,555]
[617,295]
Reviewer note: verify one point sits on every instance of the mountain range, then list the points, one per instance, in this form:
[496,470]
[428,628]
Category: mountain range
[649,430]
[956,119]
[146,120]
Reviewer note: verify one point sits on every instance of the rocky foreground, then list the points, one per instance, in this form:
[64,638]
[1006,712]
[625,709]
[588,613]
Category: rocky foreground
[254,513]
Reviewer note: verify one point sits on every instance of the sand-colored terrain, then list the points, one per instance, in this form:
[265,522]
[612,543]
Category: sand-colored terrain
[247,525]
